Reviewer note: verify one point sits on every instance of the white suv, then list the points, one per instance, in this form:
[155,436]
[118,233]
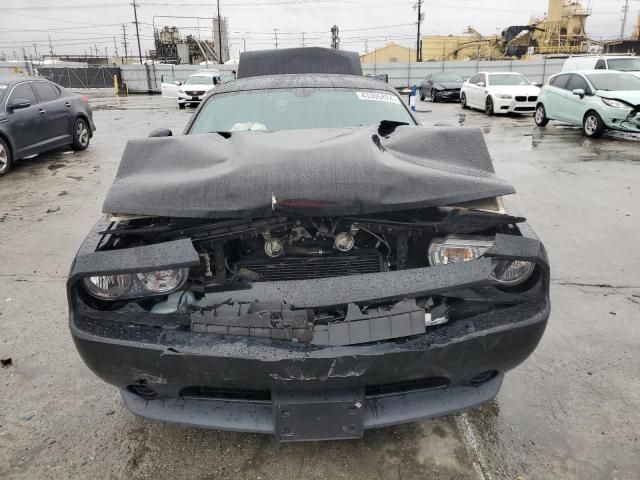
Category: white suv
[195,88]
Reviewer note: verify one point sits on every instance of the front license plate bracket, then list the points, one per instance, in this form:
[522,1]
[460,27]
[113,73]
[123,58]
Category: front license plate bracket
[318,415]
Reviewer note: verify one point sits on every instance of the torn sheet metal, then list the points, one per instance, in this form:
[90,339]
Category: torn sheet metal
[347,171]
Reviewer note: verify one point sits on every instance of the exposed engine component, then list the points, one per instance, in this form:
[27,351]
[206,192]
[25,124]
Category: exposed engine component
[272,246]
[346,240]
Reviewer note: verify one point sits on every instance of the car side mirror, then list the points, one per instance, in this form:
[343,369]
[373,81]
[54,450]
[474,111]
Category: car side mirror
[480,84]
[178,82]
[161,132]
[579,91]
[18,104]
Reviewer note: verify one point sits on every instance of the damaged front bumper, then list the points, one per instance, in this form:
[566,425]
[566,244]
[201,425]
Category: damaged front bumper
[299,391]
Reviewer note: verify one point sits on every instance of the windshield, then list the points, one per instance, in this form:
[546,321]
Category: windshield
[447,77]
[201,80]
[298,108]
[616,82]
[507,79]
[631,64]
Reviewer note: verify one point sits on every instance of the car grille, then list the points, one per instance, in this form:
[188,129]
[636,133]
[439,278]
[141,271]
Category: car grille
[264,395]
[195,93]
[533,99]
[306,268]
[521,99]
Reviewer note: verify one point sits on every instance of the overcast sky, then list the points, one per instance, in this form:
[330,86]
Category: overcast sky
[75,25]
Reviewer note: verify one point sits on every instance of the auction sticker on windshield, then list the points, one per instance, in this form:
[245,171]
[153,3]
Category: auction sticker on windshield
[378,97]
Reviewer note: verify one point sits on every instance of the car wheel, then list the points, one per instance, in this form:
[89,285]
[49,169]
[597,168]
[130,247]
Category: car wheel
[541,116]
[5,158]
[593,125]
[81,135]
[488,106]
[434,96]
[463,101]
[181,106]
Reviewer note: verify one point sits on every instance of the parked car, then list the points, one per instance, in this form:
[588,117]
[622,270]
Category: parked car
[504,92]
[441,86]
[194,88]
[37,115]
[315,264]
[622,63]
[595,99]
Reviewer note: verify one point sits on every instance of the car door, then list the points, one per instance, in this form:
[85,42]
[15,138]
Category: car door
[576,106]
[24,124]
[477,90]
[557,97]
[468,89]
[57,119]
[168,87]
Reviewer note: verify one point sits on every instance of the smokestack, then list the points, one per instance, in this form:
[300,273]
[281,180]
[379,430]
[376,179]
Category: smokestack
[555,10]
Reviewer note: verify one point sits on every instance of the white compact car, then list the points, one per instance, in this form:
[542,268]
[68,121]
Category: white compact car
[500,92]
[195,88]
[622,63]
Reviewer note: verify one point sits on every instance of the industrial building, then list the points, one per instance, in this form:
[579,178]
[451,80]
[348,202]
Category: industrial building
[562,30]
[171,47]
[390,53]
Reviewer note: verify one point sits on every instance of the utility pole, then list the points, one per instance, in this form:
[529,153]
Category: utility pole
[366,45]
[244,44]
[418,42]
[135,15]
[124,39]
[335,39]
[303,39]
[35,49]
[220,61]
[50,46]
[106,54]
[275,33]
[96,49]
[625,12]
[115,46]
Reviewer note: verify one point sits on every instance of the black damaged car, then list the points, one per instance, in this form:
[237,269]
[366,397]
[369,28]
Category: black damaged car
[307,261]
[441,86]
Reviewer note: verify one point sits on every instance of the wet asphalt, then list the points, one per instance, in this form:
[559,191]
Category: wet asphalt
[572,410]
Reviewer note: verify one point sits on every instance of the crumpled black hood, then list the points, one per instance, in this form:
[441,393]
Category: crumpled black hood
[311,172]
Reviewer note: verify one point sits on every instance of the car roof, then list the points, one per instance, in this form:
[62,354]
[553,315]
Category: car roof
[311,80]
[592,72]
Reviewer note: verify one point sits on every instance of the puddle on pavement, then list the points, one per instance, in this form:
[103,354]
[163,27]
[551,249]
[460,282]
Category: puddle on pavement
[56,166]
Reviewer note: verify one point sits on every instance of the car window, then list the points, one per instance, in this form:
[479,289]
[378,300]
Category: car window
[631,64]
[23,91]
[614,81]
[601,65]
[475,79]
[299,108]
[508,79]
[576,82]
[201,80]
[559,81]
[483,78]
[45,91]
[447,77]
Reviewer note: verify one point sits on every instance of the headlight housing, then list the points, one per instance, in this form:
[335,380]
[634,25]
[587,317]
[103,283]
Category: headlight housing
[504,96]
[121,286]
[454,249]
[615,103]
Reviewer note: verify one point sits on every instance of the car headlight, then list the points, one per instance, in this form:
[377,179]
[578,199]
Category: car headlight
[452,249]
[161,281]
[504,96]
[615,103]
[119,286]
[512,272]
[108,287]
